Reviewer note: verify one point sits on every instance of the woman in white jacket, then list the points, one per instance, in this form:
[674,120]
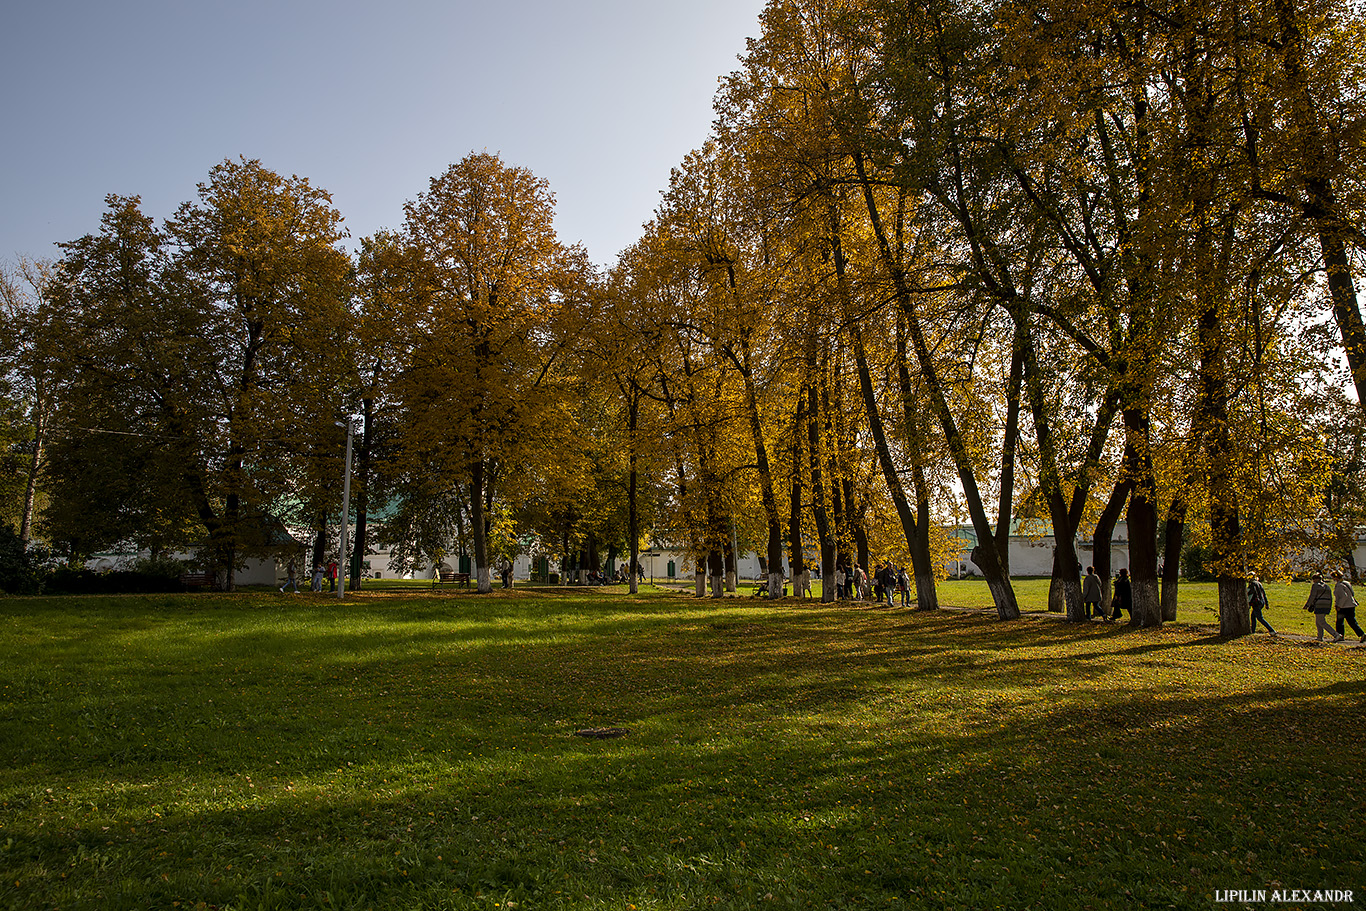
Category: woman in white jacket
[1346,603]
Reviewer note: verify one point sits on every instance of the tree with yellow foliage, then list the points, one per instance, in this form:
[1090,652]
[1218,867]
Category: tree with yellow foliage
[486,313]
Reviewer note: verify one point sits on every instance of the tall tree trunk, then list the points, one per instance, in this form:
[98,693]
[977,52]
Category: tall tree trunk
[1171,553]
[319,542]
[481,546]
[564,547]
[775,526]
[632,490]
[1319,203]
[994,568]
[796,548]
[827,538]
[1225,515]
[1065,565]
[1104,535]
[362,493]
[732,559]
[1006,509]
[31,483]
[884,456]
[1142,519]
[922,561]
[913,431]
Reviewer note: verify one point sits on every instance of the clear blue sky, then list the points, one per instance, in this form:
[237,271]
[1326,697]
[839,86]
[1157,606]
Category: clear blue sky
[368,100]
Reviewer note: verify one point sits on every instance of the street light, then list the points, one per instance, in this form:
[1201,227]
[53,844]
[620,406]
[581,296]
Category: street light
[345,515]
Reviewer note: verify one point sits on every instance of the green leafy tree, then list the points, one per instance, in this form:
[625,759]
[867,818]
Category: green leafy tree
[206,355]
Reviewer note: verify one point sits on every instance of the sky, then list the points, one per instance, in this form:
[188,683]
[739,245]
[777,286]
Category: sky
[368,100]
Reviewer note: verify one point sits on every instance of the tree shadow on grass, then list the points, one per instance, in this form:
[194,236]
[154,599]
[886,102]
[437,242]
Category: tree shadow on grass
[1120,800]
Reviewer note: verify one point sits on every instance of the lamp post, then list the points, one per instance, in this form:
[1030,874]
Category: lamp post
[345,517]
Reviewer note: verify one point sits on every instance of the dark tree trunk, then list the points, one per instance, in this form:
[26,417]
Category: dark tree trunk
[1065,566]
[922,565]
[774,557]
[889,473]
[632,493]
[1171,554]
[827,539]
[1006,508]
[1142,520]
[926,590]
[1105,531]
[362,494]
[855,522]
[1319,204]
[796,548]
[994,568]
[477,526]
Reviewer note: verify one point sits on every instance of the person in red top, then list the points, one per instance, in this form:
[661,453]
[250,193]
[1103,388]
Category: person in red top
[332,574]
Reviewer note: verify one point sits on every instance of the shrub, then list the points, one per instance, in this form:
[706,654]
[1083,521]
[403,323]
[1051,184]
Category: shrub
[21,569]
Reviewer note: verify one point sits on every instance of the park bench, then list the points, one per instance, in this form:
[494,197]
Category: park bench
[445,578]
[196,580]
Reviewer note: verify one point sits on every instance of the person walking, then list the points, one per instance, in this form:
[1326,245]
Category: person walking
[316,583]
[888,581]
[1256,599]
[1124,596]
[332,573]
[1090,594]
[291,577]
[1345,600]
[903,584]
[1319,603]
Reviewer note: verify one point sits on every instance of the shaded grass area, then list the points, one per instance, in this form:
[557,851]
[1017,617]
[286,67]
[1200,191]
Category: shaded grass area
[397,751]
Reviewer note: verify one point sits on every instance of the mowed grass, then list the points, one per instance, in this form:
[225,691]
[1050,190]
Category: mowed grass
[1198,603]
[419,751]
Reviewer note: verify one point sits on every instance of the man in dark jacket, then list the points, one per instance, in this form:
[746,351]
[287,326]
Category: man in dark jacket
[1256,599]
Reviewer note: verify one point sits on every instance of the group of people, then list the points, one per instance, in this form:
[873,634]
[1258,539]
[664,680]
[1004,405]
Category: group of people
[853,583]
[320,573]
[1321,600]
[1092,599]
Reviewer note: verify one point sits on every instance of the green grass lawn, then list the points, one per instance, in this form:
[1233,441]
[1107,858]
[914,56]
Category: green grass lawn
[1198,604]
[405,750]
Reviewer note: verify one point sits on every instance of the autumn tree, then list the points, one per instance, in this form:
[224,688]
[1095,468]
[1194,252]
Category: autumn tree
[204,352]
[488,294]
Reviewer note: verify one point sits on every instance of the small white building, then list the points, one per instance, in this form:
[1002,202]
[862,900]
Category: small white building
[1030,550]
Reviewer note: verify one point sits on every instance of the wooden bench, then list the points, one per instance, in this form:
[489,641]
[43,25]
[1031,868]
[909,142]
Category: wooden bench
[444,578]
[196,580]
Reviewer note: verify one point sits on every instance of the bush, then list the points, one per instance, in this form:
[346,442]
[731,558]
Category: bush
[1194,562]
[68,581]
[21,569]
